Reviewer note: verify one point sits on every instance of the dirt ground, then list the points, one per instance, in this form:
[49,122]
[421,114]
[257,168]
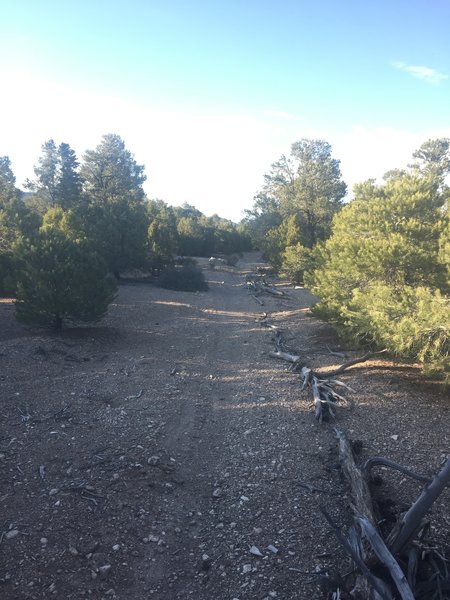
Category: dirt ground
[164,454]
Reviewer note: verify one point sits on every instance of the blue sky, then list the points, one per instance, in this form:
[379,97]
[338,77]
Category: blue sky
[208,94]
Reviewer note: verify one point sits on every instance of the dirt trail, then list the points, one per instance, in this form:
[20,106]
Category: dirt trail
[144,458]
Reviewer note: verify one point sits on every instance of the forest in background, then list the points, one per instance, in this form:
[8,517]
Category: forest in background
[380,263]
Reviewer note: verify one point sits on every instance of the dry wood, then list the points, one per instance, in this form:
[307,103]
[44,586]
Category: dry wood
[287,356]
[378,585]
[258,300]
[412,520]
[355,361]
[362,500]
[378,460]
[384,556]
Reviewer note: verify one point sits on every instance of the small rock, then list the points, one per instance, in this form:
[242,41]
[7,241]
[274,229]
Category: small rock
[104,570]
[272,549]
[44,541]
[217,493]
[116,547]
[206,562]
[394,437]
[53,491]
[257,530]
[153,538]
[153,461]
[245,498]
[73,551]
[256,551]
[246,569]
[11,534]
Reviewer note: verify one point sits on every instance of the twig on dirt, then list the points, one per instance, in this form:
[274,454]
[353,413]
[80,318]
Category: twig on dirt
[339,354]
[312,488]
[136,397]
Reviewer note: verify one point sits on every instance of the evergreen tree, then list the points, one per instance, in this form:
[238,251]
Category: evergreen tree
[162,237]
[116,217]
[384,273]
[61,278]
[57,180]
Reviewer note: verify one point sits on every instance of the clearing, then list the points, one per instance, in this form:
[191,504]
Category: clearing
[145,457]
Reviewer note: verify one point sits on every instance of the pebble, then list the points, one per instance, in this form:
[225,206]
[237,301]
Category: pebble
[53,491]
[73,551]
[246,569]
[153,461]
[116,547]
[11,534]
[245,498]
[104,570]
[44,541]
[272,549]
[217,493]
[256,551]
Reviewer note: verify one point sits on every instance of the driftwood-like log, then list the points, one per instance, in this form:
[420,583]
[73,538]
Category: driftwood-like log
[271,290]
[287,356]
[413,518]
[362,500]
[384,556]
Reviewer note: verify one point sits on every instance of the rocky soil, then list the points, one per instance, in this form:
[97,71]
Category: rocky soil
[164,454]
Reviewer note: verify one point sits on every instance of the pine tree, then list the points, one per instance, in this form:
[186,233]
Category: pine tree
[61,278]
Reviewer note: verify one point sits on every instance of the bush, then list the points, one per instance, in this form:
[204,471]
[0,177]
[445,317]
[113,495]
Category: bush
[232,260]
[61,279]
[188,278]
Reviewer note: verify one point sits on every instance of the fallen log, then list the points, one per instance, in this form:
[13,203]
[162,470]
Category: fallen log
[292,358]
[404,545]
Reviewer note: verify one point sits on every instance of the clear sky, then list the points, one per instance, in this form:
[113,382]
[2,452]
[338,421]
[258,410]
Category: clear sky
[207,94]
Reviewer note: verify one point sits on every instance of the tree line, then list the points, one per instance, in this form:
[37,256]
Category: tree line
[65,243]
[380,263]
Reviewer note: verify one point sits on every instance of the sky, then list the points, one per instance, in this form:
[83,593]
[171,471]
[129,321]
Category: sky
[208,94]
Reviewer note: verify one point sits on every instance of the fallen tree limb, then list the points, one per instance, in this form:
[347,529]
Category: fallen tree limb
[355,361]
[377,584]
[378,460]
[411,522]
[385,557]
[292,358]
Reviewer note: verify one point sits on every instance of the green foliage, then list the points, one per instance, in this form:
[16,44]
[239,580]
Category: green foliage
[297,260]
[308,185]
[207,236]
[301,195]
[60,278]
[15,221]
[232,259]
[187,278]
[57,182]
[162,236]
[116,216]
[384,272]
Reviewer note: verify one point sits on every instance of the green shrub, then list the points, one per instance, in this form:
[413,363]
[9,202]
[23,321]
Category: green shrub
[188,278]
[61,279]
[232,260]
